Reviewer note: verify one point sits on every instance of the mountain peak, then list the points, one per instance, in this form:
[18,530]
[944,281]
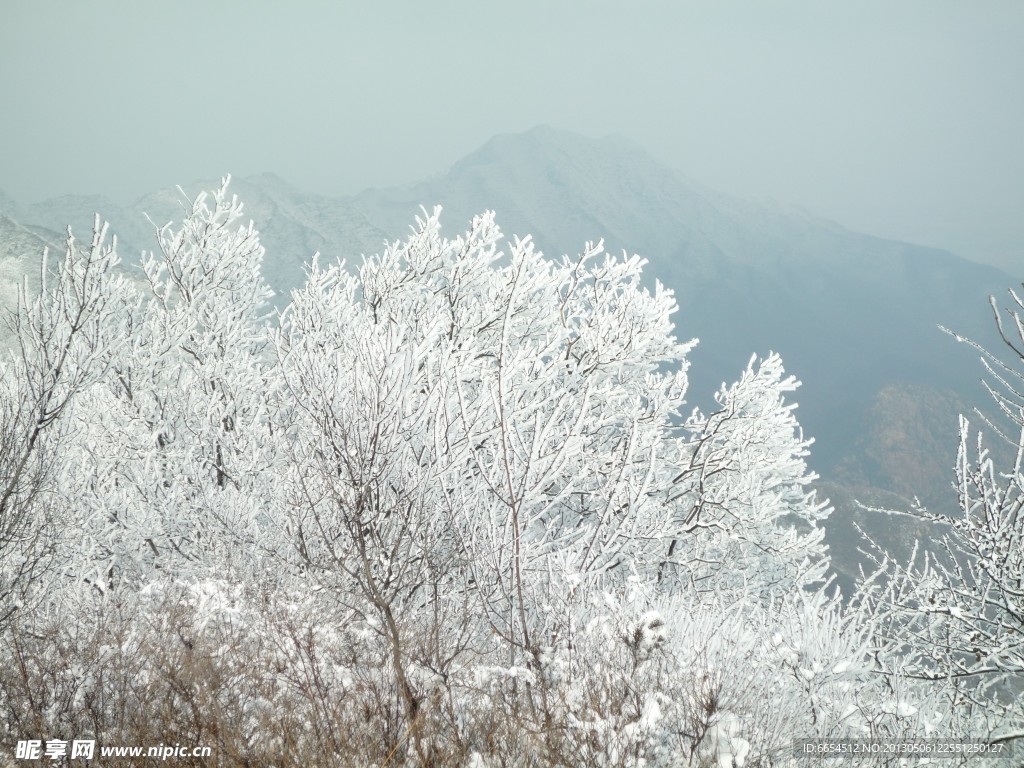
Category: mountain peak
[545,140]
[270,181]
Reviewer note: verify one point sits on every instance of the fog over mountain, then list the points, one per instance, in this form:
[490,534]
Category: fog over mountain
[855,317]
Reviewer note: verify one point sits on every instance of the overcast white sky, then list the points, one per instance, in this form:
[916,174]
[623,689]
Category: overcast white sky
[903,118]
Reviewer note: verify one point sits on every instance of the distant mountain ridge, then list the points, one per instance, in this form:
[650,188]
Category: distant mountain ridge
[853,316]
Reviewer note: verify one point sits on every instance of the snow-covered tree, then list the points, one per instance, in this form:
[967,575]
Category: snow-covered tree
[168,450]
[958,605]
[537,405]
[64,335]
[472,434]
[751,515]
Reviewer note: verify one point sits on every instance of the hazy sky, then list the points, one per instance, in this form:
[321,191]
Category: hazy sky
[903,118]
